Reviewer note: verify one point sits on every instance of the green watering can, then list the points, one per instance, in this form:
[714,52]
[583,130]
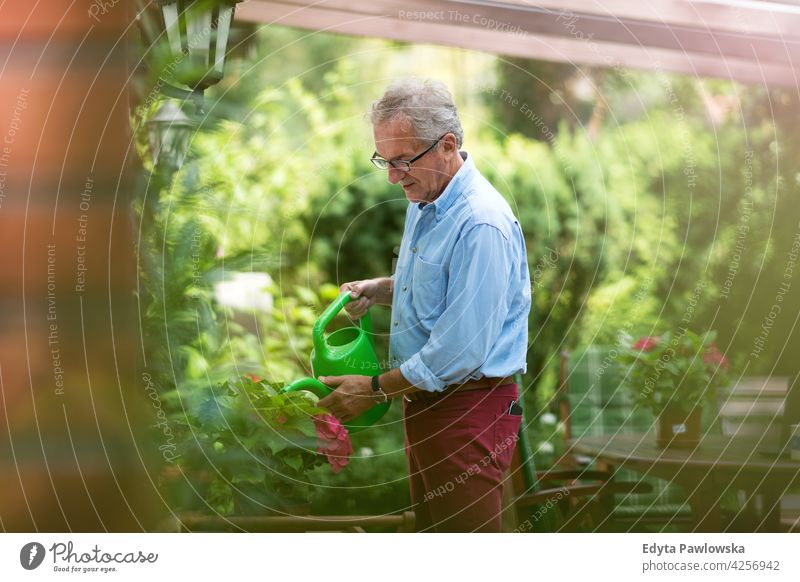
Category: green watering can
[350,350]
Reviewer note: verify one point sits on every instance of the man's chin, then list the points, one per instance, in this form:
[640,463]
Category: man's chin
[412,195]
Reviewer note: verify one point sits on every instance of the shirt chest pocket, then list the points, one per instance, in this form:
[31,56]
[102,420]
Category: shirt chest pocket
[428,285]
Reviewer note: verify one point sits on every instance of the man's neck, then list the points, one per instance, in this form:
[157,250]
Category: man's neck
[453,169]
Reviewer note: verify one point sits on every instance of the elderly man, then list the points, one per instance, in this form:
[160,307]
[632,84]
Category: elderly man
[460,298]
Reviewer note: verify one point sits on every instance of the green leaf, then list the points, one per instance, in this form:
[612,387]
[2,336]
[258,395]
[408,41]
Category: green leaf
[306,426]
[247,473]
[294,461]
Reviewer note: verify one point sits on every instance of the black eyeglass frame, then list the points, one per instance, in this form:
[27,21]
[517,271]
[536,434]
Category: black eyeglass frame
[383,164]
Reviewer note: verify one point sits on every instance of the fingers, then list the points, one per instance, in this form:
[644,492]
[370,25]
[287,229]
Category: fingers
[340,411]
[367,288]
[363,295]
[357,306]
[341,403]
[331,381]
[332,405]
[357,309]
[354,287]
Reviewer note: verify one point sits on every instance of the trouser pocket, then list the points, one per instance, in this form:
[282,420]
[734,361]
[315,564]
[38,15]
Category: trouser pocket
[506,435]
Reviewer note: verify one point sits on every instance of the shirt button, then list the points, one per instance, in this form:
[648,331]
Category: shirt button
[414,250]
[405,287]
[396,323]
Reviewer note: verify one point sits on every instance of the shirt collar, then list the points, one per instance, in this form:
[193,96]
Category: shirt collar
[454,187]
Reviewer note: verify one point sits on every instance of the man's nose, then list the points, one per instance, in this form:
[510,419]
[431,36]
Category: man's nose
[395,175]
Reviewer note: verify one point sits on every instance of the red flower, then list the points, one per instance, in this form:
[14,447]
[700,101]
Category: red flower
[645,344]
[334,442]
[715,357]
[253,377]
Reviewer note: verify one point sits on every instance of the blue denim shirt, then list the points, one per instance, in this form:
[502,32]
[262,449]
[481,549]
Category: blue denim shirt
[462,292]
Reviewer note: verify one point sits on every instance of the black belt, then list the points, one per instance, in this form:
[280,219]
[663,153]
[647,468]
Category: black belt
[480,384]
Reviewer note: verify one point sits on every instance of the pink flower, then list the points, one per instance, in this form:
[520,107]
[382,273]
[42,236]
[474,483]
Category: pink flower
[715,357]
[645,344]
[334,442]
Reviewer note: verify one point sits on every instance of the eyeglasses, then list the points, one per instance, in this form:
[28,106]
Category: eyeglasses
[402,165]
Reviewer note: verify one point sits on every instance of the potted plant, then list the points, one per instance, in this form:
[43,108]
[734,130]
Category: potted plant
[673,375]
[245,448]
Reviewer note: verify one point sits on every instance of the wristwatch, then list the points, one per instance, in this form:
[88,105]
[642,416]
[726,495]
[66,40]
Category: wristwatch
[378,395]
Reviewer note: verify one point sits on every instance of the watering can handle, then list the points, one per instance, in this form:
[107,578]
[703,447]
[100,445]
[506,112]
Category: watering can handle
[318,332]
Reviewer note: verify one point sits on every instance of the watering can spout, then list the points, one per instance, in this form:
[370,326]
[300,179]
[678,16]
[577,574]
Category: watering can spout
[312,385]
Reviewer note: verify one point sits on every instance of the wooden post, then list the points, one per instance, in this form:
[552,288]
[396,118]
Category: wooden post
[74,458]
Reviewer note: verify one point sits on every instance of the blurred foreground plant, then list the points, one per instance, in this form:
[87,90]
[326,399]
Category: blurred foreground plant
[246,448]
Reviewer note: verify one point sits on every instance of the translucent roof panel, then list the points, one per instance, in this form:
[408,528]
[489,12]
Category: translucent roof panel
[748,41]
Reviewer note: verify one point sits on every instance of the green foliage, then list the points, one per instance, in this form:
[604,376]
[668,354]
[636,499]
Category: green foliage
[619,308]
[244,447]
[547,87]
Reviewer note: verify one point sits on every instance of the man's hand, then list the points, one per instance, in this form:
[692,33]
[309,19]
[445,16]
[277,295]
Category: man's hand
[352,397]
[364,295]
[367,293]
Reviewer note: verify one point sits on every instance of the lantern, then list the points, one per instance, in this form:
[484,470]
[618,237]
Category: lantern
[168,133]
[198,32]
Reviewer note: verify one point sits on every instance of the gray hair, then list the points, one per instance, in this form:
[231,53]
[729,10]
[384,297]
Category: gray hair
[427,104]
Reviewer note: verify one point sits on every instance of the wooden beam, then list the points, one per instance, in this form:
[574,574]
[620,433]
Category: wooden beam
[575,49]
[775,19]
[698,37]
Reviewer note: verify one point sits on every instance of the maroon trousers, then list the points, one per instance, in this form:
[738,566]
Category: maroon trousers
[458,447]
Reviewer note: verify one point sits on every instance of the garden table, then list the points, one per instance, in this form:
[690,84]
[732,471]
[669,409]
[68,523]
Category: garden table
[717,464]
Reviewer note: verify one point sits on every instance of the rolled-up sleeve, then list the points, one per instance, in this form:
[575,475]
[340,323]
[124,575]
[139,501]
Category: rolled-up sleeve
[476,306]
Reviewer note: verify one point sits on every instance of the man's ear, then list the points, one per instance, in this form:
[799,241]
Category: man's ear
[449,143]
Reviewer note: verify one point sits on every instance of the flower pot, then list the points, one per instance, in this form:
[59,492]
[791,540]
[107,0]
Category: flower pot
[678,429]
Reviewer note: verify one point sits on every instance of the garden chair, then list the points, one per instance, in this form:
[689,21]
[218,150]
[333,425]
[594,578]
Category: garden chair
[592,402]
[764,408]
[559,500]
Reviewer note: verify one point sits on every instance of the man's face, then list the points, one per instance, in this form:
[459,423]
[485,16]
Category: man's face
[395,140]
